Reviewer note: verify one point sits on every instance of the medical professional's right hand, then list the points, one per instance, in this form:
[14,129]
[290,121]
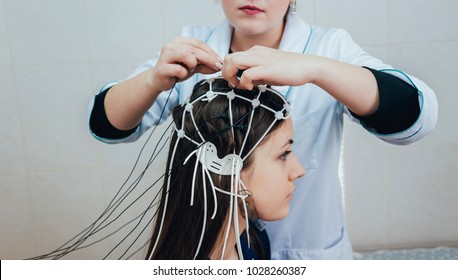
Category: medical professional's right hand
[127,102]
[180,59]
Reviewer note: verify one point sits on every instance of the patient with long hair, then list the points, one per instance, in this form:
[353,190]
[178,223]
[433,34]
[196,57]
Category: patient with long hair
[230,167]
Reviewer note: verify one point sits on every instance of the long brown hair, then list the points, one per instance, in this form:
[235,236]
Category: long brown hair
[183,224]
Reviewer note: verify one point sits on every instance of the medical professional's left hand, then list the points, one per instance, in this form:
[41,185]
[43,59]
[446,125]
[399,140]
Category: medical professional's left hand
[264,65]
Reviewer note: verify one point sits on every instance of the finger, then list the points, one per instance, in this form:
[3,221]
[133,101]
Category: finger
[181,50]
[255,76]
[184,57]
[204,69]
[199,44]
[245,83]
[230,70]
[201,51]
[175,70]
[204,58]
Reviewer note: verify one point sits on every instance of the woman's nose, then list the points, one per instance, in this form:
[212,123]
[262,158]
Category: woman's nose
[298,170]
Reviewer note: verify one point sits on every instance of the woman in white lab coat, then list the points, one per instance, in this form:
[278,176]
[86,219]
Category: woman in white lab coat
[323,73]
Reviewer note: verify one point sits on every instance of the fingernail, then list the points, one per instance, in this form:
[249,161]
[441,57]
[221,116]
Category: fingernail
[218,65]
[220,59]
[231,85]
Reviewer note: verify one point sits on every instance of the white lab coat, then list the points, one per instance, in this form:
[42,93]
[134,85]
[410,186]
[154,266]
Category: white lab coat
[315,227]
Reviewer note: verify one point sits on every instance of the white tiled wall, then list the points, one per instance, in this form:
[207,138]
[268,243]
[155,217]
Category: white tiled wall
[56,54]
[406,196]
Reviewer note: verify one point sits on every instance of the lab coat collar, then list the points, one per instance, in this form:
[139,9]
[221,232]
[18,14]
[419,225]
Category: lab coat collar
[296,35]
[294,39]
[220,39]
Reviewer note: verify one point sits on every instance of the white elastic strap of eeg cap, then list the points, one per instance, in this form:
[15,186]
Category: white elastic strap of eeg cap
[278,116]
[236,166]
[233,211]
[230,162]
[245,210]
[236,216]
[211,162]
[194,121]
[204,220]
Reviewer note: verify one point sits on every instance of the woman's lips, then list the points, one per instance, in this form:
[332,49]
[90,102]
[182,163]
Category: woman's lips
[289,196]
[251,10]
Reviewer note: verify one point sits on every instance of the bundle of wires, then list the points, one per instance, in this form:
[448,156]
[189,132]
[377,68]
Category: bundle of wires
[134,235]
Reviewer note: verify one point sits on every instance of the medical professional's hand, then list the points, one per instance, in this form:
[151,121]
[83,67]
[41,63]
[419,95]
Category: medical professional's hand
[126,103]
[180,59]
[264,65]
[354,86]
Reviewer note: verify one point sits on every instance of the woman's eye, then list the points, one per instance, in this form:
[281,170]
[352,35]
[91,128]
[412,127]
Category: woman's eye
[284,155]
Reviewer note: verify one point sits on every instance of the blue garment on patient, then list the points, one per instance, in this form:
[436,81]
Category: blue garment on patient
[260,245]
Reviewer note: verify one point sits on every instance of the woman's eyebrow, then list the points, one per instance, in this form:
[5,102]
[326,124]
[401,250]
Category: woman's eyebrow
[290,142]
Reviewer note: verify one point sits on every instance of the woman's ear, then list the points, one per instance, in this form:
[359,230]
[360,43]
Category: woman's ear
[245,177]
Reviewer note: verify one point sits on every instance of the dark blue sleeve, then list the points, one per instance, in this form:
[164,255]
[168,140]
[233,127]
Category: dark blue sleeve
[99,123]
[399,107]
